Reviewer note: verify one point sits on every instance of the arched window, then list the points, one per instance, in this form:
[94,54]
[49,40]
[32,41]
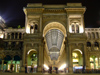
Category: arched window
[20,45]
[89,35]
[36,27]
[6,45]
[20,35]
[93,35]
[8,35]
[12,36]
[73,29]
[16,35]
[31,29]
[13,44]
[96,44]
[88,44]
[77,29]
[97,35]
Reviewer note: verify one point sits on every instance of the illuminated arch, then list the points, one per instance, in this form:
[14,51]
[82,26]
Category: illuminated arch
[54,25]
[78,50]
[31,51]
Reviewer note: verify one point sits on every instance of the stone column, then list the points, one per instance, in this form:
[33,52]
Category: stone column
[40,62]
[2,64]
[84,57]
[88,61]
[22,36]
[23,62]
[98,60]
[70,63]
[24,55]
[67,54]
[92,46]
[99,46]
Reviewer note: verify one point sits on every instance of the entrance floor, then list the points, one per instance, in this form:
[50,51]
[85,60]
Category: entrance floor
[2,73]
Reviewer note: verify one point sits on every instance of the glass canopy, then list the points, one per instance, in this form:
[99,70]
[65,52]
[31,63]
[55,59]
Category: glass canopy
[54,39]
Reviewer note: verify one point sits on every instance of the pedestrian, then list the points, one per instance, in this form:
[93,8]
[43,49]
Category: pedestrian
[26,68]
[32,67]
[50,69]
[11,68]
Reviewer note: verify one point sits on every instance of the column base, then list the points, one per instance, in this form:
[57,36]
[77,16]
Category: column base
[39,69]
[22,69]
[70,70]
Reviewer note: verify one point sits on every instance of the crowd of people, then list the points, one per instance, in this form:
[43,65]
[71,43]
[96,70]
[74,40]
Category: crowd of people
[31,70]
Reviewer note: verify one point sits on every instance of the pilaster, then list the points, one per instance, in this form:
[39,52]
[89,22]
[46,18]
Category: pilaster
[40,62]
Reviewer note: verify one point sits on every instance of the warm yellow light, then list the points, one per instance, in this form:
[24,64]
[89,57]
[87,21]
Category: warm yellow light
[75,55]
[62,67]
[27,29]
[96,59]
[75,60]
[81,29]
[91,59]
[45,66]
[1,36]
[78,50]
[30,51]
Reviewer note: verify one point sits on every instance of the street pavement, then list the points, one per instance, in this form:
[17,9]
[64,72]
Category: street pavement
[6,73]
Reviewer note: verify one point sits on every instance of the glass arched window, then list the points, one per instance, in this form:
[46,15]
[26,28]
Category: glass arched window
[20,35]
[77,29]
[31,29]
[36,26]
[8,35]
[73,29]
[97,35]
[93,35]
[12,36]
[89,35]
[96,46]
[88,44]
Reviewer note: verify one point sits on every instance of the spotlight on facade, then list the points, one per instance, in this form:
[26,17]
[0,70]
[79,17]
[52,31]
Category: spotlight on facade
[62,67]
[45,66]
[0,17]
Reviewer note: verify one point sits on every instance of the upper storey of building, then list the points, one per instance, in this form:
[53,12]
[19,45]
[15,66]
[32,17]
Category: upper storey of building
[71,16]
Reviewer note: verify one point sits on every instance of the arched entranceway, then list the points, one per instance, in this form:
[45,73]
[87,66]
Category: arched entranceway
[32,59]
[77,59]
[94,62]
[54,34]
[7,62]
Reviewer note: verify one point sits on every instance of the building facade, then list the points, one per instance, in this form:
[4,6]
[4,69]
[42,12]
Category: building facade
[54,35]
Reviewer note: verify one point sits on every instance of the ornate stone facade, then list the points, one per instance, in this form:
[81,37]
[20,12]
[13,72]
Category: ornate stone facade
[40,19]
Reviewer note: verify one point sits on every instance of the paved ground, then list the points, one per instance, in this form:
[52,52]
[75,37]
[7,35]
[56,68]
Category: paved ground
[1,73]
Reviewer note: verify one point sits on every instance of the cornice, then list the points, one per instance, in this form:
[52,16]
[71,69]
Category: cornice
[76,10]
[35,10]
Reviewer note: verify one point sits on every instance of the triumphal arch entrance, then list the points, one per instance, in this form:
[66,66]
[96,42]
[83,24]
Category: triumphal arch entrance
[54,37]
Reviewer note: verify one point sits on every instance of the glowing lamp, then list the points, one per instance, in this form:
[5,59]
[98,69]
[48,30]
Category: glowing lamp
[45,66]
[62,67]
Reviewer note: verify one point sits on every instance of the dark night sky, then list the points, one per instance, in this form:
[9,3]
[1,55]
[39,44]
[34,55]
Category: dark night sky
[12,11]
